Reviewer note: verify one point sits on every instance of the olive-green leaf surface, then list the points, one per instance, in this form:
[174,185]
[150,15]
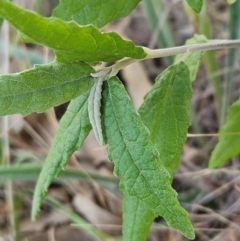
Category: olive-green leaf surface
[137,218]
[96,12]
[196,5]
[70,41]
[229,139]
[1,22]
[73,129]
[43,86]
[192,60]
[136,160]
[166,113]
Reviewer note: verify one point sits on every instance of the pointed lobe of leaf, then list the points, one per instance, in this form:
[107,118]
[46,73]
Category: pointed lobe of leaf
[137,161]
[42,87]
[96,12]
[193,60]
[166,113]
[137,219]
[70,42]
[229,140]
[73,130]
[1,22]
[196,5]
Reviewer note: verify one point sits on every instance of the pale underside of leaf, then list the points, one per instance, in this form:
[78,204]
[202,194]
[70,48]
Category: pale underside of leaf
[96,12]
[74,128]
[137,161]
[192,60]
[70,41]
[229,140]
[166,113]
[43,86]
[196,5]
[94,105]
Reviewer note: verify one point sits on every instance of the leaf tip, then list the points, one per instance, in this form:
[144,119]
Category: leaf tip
[191,234]
[213,164]
[216,159]
[34,215]
[38,196]
[196,6]
[35,209]
[188,231]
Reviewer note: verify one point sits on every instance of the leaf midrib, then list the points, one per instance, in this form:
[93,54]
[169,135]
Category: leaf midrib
[126,148]
[154,133]
[45,88]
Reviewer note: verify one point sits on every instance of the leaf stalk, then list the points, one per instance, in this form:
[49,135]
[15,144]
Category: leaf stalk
[159,53]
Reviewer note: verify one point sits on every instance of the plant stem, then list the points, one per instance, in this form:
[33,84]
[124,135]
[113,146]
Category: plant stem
[159,53]
[212,45]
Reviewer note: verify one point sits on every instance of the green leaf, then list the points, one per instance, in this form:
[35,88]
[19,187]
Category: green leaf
[137,161]
[196,5]
[166,113]
[70,42]
[74,128]
[94,110]
[193,60]
[1,22]
[229,140]
[96,12]
[137,218]
[43,86]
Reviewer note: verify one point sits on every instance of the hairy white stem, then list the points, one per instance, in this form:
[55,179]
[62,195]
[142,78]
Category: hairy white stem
[211,45]
[108,72]
[94,105]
